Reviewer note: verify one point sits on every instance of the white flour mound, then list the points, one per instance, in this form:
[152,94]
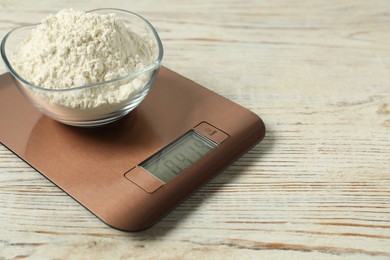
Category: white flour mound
[73,48]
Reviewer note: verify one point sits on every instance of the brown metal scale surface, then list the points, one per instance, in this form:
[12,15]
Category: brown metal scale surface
[98,167]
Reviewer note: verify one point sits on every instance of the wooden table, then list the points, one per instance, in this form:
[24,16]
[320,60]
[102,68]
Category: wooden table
[317,187]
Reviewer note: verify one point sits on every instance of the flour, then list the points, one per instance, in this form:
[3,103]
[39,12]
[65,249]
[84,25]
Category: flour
[72,49]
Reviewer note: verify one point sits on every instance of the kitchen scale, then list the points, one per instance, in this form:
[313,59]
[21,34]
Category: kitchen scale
[132,172]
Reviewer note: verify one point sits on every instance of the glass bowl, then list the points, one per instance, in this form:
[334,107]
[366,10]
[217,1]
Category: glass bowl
[51,101]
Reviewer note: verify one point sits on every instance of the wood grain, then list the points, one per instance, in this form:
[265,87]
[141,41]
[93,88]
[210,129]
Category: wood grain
[317,187]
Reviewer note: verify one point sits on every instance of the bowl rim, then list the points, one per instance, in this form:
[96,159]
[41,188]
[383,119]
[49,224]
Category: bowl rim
[152,66]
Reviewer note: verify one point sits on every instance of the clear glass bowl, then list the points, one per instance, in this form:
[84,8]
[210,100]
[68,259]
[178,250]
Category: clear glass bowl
[47,101]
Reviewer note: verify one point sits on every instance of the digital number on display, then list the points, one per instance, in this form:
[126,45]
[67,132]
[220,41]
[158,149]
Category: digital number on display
[174,159]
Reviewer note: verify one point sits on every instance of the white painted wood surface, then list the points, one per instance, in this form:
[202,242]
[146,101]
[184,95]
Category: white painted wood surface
[317,187]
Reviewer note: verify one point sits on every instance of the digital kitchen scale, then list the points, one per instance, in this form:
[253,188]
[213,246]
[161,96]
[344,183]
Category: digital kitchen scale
[134,171]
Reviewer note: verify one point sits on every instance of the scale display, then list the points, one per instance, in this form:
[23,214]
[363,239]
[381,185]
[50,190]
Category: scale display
[174,159]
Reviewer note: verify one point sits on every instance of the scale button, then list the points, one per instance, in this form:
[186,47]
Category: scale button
[144,180]
[211,132]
